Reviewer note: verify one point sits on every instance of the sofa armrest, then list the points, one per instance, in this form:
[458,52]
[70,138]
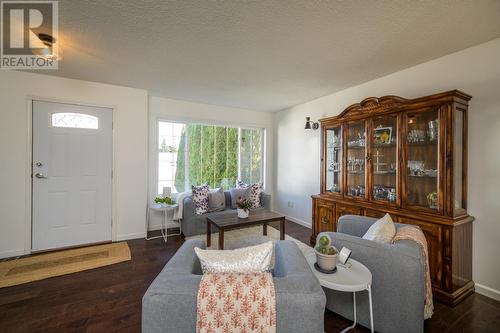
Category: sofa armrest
[265,200]
[354,225]
[188,208]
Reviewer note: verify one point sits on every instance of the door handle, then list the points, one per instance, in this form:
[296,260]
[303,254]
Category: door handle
[41,176]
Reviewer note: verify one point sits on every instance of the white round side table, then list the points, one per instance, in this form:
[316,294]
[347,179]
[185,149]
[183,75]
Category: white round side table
[352,277]
[165,209]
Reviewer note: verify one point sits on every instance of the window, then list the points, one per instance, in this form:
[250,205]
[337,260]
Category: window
[194,154]
[75,120]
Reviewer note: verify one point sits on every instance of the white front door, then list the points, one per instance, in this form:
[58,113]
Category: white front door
[72,171]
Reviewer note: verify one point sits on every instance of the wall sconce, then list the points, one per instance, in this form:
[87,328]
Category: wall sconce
[311,124]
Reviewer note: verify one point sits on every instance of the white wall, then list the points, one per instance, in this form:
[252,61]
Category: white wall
[475,71]
[130,151]
[171,109]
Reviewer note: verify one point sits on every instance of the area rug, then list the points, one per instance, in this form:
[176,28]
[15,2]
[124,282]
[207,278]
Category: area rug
[42,266]
[243,237]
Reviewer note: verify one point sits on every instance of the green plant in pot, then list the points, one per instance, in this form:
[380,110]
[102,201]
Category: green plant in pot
[243,207]
[164,201]
[326,253]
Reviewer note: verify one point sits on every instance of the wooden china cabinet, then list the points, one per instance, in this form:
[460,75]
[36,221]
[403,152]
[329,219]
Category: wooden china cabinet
[407,158]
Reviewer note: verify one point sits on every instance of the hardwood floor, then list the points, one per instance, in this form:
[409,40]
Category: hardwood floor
[108,299]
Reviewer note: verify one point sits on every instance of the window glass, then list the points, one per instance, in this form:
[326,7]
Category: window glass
[74,120]
[194,154]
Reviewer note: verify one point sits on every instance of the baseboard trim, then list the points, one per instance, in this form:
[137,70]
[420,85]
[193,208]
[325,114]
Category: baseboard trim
[12,253]
[296,220]
[120,238]
[487,291]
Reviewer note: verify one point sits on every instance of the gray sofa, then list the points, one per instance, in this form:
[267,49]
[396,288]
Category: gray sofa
[169,304]
[193,224]
[398,279]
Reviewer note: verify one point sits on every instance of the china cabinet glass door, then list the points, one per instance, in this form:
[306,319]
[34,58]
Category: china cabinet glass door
[422,160]
[356,160]
[384,162]
[333,159]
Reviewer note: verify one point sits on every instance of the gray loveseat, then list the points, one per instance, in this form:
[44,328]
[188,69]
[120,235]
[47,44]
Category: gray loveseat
[193,224]
[398,279]
[169,304]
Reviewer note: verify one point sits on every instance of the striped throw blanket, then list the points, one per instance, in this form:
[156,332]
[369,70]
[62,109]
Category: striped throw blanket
[416,235]
[236,303]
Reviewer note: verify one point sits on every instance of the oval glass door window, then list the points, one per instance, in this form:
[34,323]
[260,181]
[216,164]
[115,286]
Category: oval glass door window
[74,120]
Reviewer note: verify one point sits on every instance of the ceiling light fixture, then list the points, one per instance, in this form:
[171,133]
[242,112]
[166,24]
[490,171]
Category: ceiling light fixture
[50,51]
[311,124]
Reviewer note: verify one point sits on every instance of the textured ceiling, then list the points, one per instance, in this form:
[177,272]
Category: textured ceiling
[261,55]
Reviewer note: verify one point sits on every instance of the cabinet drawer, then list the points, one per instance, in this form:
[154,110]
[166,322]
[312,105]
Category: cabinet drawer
[433,235]
[324,216]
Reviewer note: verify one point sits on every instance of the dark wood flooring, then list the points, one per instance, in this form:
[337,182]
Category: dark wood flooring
[108,299]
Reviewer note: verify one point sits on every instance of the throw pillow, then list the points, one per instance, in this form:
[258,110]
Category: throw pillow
[382,231]
[255,192]
[252,259]
[200,198]
[216,200]
[238,194]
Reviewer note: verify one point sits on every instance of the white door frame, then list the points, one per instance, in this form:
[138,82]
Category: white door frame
[29,166]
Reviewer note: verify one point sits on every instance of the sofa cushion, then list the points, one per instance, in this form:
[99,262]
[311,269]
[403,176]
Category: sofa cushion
[252,259]
[200,198]
[239,194]
[255,192]
[382,231]
[216,200]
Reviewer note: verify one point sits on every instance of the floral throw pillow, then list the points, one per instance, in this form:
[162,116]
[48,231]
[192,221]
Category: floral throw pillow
[255,192]
[200,198]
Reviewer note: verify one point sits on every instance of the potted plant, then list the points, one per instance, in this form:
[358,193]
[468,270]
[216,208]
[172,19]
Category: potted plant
[326,253]
[164,201]
[243,207]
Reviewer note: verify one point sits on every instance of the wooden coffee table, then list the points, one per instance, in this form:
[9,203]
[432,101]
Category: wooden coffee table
[261,216]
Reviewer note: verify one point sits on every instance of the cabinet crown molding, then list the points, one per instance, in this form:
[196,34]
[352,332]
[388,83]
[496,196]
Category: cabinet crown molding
[372,106]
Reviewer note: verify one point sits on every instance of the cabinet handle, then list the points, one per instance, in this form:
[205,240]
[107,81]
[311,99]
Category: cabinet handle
[324,220]
[368,157]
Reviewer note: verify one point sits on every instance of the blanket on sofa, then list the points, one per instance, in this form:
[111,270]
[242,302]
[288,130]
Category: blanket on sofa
[416,235]
[236,303]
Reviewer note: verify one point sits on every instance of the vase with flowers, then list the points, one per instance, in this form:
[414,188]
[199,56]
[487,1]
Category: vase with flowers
[243,207]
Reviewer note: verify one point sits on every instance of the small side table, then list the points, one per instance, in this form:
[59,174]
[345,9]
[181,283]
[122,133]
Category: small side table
[165,209]
[353,277]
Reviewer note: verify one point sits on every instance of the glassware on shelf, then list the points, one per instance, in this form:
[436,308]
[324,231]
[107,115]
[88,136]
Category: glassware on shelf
[416,168]
[433,130]
[387,193]
[416,135]
[333,158]
[423,159]
[356,152]
[359,141]
[357,191]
